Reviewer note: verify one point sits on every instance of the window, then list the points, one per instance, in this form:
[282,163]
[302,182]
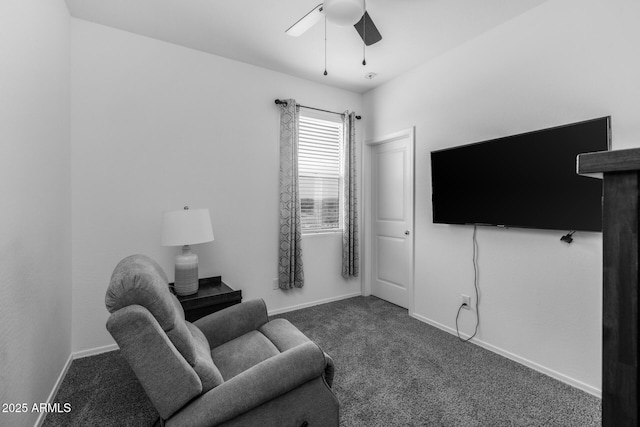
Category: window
[320,173]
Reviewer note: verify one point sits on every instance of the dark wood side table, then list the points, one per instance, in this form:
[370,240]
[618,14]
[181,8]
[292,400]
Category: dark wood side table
[213,295]
[621,282]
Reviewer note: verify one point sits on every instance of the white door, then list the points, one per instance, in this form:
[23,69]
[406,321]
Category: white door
[392,219]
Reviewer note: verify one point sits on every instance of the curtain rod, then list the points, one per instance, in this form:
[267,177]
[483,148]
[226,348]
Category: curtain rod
[281,102]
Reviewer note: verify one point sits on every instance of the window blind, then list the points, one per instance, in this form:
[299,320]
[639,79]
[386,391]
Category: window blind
[319,170]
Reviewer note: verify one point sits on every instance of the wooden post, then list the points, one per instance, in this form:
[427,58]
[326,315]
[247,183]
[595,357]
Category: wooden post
[621,195]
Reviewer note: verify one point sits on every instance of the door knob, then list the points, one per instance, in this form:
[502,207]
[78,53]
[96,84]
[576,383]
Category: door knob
[406,232]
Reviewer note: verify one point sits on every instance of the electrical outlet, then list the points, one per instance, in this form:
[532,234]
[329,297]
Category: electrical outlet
[274,284]
[466,300]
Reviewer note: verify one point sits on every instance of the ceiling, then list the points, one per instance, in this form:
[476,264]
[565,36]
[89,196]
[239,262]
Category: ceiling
[253,32]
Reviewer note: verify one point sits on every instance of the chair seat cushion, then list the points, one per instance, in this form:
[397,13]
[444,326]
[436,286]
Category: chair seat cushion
[242,353]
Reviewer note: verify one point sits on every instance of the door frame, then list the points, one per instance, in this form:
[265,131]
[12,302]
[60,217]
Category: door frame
[367,148]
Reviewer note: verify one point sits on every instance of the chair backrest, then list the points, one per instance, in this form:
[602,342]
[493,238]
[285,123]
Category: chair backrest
[170,356]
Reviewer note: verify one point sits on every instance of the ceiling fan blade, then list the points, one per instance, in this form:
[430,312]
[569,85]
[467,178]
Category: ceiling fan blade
[367,30]
[306,22]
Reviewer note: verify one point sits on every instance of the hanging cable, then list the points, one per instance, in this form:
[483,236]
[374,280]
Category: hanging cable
[475,285]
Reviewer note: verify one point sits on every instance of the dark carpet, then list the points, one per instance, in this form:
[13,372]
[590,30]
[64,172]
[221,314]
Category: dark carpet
[391,370]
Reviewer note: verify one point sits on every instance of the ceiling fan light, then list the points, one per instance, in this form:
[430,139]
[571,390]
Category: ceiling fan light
[343,12]
[306,22]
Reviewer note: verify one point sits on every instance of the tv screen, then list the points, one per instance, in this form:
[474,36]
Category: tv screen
[527,180]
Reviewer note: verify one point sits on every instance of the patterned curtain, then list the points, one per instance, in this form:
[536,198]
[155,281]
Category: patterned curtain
[350,255]
[290,274]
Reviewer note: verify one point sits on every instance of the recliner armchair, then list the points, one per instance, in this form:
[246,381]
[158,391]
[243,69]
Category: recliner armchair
[230,368]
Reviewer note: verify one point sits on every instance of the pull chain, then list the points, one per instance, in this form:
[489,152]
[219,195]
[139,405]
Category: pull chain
[325,46]
[364,34]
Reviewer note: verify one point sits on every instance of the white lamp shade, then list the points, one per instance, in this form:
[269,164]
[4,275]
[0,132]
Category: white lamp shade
[186,227]
[344,12]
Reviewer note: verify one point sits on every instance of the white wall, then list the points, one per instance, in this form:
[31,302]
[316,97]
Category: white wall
[156,126]
[559,63]
[35,202]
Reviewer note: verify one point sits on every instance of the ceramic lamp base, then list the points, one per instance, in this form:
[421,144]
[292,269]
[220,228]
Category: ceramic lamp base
[186,280]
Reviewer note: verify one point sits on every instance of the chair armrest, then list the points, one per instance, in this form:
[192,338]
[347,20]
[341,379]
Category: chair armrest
[233,322]
[259,384]
[329,370]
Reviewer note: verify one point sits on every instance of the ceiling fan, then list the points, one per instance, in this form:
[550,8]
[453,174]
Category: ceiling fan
[342,13]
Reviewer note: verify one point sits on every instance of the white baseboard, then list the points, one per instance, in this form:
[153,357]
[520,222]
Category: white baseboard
[65,369]
[111,347]
[528,363]
[311,304]
[54,391]
[94,351]
[535,366]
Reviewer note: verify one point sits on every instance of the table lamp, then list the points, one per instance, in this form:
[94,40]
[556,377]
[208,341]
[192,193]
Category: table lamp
[183,228]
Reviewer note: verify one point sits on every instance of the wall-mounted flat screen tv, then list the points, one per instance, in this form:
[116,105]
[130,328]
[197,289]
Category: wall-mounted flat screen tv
[527,180]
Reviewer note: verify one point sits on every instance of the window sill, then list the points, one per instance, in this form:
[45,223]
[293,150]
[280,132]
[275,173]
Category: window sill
[322,232]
